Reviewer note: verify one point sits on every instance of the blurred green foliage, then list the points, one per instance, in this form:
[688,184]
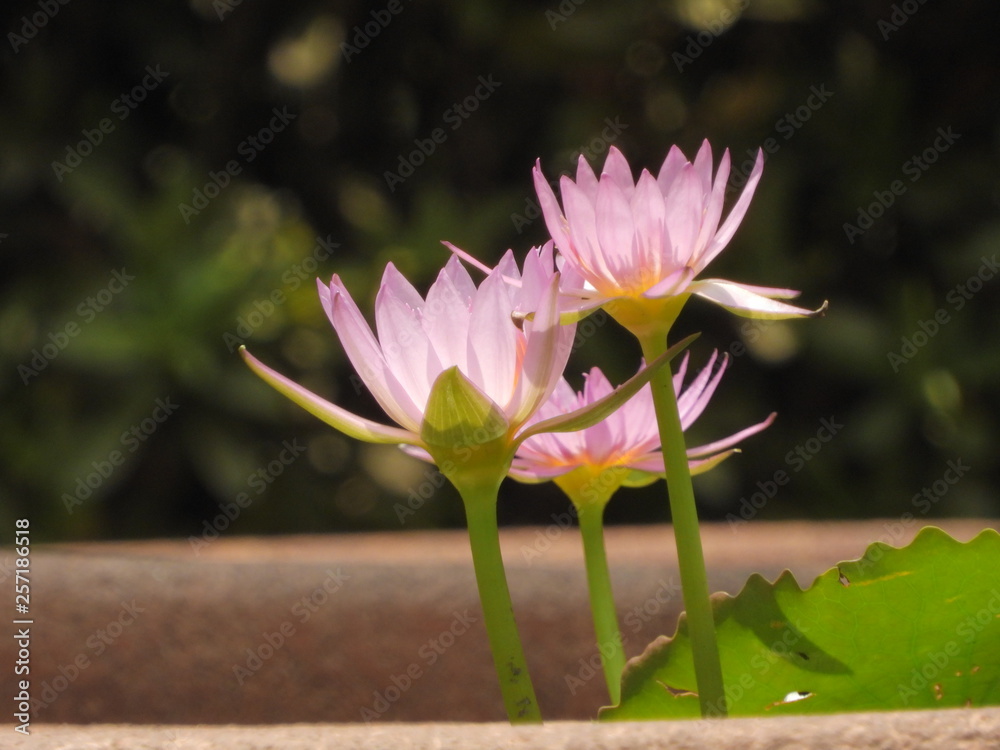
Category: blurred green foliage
[100,158]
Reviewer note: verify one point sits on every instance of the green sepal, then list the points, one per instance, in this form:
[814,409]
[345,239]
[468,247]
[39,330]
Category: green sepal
[593,413]
[466,433]
[337,417]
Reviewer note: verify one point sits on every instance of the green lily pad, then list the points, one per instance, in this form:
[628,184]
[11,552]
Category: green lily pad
[916,627]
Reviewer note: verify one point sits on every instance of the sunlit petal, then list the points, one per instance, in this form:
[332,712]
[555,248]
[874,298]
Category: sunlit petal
[748,301]
[657,243]
[350,424]
[365,354]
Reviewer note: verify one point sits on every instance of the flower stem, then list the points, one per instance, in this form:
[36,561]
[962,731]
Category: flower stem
[690,557]
[602,603]
[498,612]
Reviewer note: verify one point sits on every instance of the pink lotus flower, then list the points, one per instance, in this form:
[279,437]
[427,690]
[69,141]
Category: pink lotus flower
[646,241]
[511,367]
[627,442]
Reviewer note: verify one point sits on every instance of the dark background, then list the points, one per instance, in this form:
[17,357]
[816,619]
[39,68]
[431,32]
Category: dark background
[894,76]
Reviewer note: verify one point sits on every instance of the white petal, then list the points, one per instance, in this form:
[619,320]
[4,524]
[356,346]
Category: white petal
[748,302]
[446,314]
[405,344]
[547,348]
[492,341]
[732,222]
[365,354]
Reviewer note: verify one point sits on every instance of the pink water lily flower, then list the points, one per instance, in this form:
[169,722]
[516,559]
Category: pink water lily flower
[647,241]
[513,363]
[627,442]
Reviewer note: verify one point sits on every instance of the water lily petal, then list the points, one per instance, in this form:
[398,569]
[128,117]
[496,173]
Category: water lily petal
[627,439]
[366,356]
[736,214]
[405,345]
[350,424]
[555,222]
[602,440]
[470,259]
[724,443]
[713,209]
[582,224]
[534,280]
[586,180]
[746,301]
[703,166]
[684,211]
[546,350]
[530,472]
[616,169]
[595,412]
[674,283]
[692,402]
[650,217]
[652,465]
[446,314]
[670,168]
[615,230]
[768,291]
[492,349]
[654,249]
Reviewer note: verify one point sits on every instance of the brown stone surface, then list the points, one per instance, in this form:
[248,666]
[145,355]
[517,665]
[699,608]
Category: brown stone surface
[152,633]
[933,730]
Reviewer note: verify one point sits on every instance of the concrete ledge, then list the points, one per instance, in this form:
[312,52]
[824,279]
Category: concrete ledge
[951,730]
[368,627]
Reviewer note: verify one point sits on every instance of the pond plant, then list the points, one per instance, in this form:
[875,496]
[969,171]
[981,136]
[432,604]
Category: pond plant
[472,377]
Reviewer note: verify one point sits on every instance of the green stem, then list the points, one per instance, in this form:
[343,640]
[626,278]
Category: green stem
[602,603]
[498,612]
[690,557]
